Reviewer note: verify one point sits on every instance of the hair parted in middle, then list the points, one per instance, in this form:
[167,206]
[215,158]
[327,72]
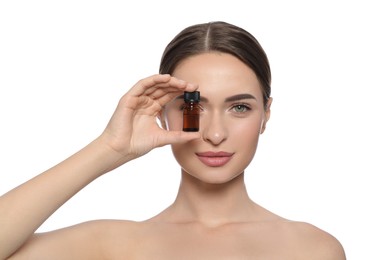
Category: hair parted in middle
[219,37]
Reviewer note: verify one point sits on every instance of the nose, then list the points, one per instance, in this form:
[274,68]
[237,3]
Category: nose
[214,129]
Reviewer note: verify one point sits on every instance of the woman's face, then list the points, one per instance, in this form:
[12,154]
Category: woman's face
[232,117]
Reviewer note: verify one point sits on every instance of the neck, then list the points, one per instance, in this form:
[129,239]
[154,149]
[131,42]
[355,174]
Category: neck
[213,204]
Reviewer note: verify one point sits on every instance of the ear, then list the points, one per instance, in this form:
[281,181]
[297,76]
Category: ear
[267,115]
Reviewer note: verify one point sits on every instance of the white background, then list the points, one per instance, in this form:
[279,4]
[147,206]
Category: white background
[65,64]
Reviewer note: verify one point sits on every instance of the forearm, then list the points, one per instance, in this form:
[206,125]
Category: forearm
[26,207]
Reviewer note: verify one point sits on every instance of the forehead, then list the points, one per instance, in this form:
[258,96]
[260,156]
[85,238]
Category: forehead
[219,74]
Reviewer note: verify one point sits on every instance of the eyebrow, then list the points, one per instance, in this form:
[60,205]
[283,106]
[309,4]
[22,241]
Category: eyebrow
[228,99]
[239,97]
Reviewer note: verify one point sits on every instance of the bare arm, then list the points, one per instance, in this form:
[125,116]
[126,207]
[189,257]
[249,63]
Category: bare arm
[26,207]
[131,132]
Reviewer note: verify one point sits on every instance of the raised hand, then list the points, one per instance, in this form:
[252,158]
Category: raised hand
[133,129]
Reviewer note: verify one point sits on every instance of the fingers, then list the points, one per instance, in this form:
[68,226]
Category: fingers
[143,85]
[159,85]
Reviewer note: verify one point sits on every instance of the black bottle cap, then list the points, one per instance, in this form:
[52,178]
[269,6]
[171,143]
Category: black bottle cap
[191,96]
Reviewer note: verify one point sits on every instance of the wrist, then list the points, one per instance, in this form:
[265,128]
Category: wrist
[107,156]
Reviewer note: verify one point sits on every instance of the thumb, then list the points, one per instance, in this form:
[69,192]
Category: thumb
[176,137]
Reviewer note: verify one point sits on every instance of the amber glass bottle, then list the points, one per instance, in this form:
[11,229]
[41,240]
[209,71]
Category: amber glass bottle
[191,111]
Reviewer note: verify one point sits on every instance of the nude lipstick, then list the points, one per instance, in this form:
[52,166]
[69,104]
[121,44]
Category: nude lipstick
[214,159]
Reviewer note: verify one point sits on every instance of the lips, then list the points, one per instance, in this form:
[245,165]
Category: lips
[215,159]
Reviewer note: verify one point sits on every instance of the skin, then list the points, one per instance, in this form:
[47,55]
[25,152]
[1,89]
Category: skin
[212,216]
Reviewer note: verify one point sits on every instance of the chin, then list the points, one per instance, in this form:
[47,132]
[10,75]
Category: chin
[214,176]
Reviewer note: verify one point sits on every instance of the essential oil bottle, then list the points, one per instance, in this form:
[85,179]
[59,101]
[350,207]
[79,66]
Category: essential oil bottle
[191,111]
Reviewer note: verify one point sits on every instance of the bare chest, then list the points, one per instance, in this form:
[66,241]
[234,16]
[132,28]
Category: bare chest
[226,243]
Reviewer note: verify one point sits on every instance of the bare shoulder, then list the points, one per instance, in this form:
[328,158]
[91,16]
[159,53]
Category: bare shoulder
[315,242]
[89,240]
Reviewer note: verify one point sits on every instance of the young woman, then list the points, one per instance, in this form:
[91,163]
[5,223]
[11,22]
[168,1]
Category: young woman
[212,216]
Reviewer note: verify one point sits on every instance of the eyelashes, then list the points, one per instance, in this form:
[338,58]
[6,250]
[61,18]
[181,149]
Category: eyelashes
[239,108]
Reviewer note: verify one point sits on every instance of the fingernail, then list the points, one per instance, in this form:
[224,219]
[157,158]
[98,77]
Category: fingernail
[191,85]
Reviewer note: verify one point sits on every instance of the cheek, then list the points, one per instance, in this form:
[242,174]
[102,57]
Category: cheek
[246,134]
[184,155]
[173,119]
[244,140]
[251,127]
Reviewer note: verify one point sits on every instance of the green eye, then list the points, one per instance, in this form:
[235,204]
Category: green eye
[240,108]
[183,106]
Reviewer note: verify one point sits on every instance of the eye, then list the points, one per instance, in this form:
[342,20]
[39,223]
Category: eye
[240,108]
[182,106]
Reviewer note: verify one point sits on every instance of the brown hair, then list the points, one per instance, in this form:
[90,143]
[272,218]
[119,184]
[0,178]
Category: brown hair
[221,37]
